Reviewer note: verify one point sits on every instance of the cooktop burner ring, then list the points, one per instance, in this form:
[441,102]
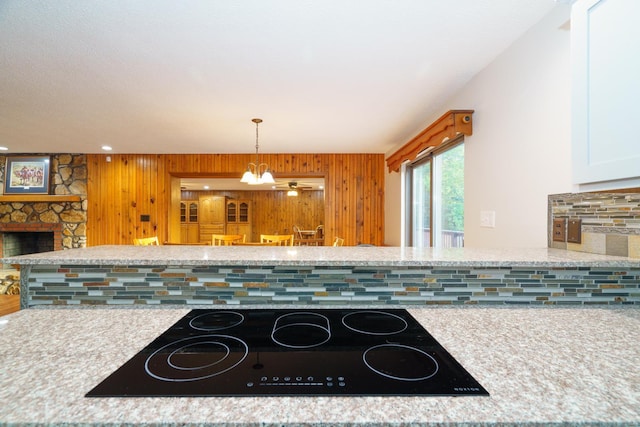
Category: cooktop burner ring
[194,368]
[300,326]
[216,320]
[370,329]
[430,369]
[159,364]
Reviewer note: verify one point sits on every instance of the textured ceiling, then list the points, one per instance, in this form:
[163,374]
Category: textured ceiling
[167,76]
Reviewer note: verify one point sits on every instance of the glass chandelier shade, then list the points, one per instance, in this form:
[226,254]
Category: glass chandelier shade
[257,173]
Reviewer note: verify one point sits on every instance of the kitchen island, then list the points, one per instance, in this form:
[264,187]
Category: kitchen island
[205,275]
[552,335]
[543,366]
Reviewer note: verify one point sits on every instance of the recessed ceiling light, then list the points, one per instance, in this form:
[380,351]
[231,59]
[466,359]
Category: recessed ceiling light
[206,187]
[106,148]
[3,148]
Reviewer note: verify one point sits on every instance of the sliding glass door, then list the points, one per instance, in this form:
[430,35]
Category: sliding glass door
[436,184]
[421,204]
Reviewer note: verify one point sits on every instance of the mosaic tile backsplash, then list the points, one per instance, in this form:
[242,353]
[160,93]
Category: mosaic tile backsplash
[405,285]
[610,222]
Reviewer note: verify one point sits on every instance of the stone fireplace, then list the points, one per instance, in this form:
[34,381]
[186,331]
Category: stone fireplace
[31,223]
[45,222]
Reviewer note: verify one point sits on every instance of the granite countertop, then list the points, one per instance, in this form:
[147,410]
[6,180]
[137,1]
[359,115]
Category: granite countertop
[542,366]
[321,256]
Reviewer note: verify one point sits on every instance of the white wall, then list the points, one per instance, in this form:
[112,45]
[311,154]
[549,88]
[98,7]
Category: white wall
[392,213]
[520,150]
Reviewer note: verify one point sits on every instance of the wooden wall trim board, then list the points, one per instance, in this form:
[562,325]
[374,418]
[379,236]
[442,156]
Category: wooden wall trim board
[131,185]
[39,198]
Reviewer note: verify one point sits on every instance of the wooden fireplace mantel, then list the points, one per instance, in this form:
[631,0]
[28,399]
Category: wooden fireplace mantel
[44,198]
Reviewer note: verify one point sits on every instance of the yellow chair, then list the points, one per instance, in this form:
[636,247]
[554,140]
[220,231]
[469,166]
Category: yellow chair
[227,239]
[338,241]
[281,239]
[147,241]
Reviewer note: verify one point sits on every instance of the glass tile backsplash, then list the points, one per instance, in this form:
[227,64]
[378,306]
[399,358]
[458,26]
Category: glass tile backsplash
[314,285]
[610,222]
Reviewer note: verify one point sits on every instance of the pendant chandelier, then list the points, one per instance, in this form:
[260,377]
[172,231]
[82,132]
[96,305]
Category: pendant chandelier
[257,173]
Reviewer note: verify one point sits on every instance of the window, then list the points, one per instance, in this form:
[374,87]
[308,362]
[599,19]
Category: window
[436,197]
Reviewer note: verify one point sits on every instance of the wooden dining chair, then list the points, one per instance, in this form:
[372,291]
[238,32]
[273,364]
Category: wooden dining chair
[146,241]
[319,232]
[338,241]
[227,239]
[297,232]
[281,239]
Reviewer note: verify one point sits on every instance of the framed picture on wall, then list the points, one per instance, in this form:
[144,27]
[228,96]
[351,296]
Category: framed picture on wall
[27,175]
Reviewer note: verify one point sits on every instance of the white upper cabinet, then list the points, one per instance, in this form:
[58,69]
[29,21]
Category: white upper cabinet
[605,48]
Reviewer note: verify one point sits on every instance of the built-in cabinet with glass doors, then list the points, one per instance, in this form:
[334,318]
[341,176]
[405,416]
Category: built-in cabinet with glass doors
[199,220]
[189,226]
[239,217]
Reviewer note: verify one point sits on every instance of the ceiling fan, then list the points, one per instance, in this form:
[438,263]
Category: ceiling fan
[293,187]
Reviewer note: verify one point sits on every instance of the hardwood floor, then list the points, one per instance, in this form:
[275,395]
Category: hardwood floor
[9,304]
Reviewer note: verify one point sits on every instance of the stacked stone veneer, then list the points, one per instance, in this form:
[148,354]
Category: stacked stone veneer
[610,222]
[189,285]
[68,177]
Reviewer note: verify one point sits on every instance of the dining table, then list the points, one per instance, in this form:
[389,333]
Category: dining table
[309,242]
[256,244]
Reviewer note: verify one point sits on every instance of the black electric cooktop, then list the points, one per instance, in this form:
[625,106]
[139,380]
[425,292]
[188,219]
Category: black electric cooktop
[259,352]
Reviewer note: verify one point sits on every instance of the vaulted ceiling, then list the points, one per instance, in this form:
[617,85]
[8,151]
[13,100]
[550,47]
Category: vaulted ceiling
[167,76]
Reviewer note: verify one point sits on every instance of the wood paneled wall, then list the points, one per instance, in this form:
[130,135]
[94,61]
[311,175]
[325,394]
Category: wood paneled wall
[131,185]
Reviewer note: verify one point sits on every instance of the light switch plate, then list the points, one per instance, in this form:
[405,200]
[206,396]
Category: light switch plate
[488,219]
